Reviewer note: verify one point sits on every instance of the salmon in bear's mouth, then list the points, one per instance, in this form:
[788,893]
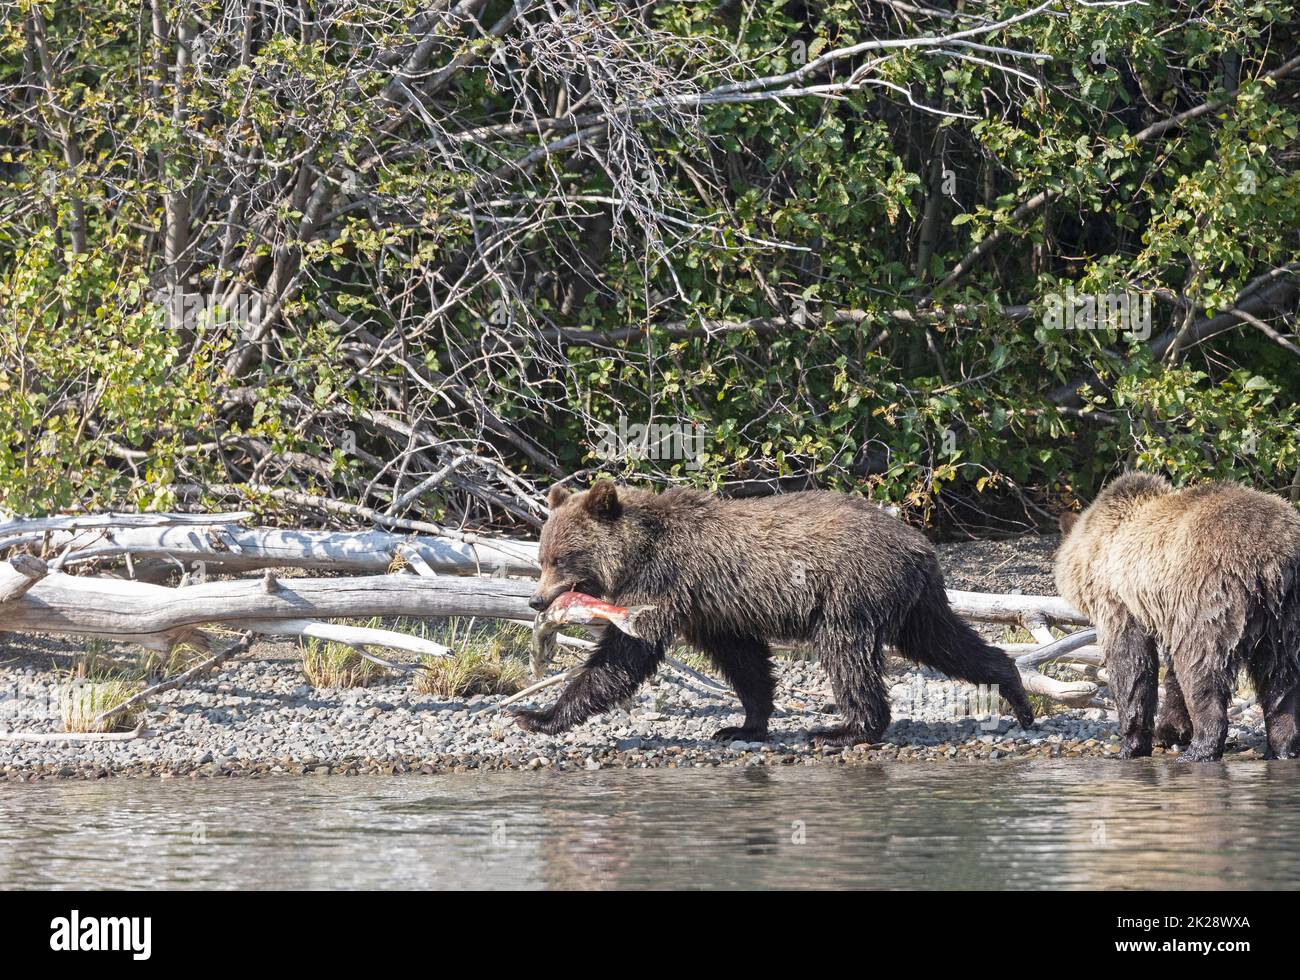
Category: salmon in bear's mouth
[578,609]
[581,609]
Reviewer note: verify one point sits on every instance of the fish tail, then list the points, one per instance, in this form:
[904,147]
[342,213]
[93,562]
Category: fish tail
[543,646]
[632,614]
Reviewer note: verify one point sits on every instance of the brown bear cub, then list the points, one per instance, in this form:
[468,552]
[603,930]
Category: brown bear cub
[1210,576]
[729,575]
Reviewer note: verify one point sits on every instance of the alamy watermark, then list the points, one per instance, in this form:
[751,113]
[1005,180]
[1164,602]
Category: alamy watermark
[1122,312]
[77,933]
[678,441]
[187,310]
[948,701]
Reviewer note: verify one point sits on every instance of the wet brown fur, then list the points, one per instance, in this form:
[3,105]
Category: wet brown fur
[728,576]
[1210,577]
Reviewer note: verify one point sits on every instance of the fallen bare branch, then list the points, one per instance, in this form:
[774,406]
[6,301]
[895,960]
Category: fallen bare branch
[541,685]
[355,636]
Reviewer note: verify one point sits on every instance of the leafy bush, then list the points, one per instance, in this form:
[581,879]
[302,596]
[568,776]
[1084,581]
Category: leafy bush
[544,227]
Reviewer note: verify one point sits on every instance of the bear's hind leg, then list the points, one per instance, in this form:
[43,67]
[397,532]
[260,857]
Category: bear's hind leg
[1173,726]
[1279,698]
[746,663]
[1134,678]
[1282,723]
[856,672]
[1208,692]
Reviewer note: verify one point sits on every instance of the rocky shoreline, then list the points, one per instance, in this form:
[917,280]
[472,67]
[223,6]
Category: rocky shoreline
[258,717]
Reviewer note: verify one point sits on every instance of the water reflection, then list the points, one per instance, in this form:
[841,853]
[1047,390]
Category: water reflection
[1078,823]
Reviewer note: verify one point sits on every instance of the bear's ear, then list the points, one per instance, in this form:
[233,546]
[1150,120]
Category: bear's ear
[602,500]
[1067,521]
[557,496]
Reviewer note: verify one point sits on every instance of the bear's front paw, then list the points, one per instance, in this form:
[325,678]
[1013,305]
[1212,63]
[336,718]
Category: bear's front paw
[1134,750]
[733,734]
[542,722]
[1024,714]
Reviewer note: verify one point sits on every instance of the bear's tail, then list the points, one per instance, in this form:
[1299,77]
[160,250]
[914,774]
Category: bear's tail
[934,635]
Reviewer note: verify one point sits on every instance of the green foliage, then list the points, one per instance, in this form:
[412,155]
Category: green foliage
[92,378]
[804,205]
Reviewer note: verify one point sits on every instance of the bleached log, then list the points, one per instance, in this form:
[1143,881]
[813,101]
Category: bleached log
[114,519]
[233,549]
[1038,628]
[1079,694]
[1090,672]
[1057,649]
[1090,654]
[416,560]
[24,530]
[225,548]
[19,574]
[993,608]
[136,611]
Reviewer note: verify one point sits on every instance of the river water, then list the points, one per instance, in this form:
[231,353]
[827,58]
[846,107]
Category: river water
[1066,824]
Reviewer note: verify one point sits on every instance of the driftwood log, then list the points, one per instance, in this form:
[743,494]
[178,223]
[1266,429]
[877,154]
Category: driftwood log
[19,575]
[38,597]
[222,548]
[141,613]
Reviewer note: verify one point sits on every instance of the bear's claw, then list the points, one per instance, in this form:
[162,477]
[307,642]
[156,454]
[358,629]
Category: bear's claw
[735,734]
[839,736]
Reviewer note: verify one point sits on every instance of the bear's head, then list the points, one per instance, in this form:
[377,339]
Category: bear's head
[587,544]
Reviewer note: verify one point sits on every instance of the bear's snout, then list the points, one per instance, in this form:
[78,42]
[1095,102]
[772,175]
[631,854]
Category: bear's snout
[539,601]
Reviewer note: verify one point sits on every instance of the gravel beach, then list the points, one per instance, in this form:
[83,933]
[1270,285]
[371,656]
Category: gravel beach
[258,716]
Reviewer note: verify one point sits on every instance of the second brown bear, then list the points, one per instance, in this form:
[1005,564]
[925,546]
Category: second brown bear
[1210,575]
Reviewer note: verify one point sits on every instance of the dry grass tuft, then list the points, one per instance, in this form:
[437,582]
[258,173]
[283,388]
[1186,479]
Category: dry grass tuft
[470,672]
[96,683]
[327,664]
